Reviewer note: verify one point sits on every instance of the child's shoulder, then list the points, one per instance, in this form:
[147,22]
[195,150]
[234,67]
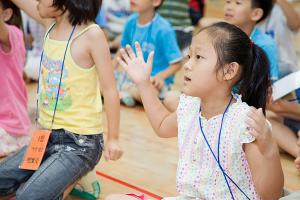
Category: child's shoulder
[93,32]
[13,30]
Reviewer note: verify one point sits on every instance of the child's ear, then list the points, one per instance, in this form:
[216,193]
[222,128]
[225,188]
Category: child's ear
[7,14]
[156,3]
[230,71]
[257,14]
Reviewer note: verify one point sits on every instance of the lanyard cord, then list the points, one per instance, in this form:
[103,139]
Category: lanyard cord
[61,74]
[217,159]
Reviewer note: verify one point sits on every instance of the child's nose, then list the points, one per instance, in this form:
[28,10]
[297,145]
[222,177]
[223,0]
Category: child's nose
[187,66]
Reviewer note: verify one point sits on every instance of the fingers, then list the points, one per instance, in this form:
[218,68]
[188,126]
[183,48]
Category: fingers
[124,55]
[106,154]
[130,52]
[122,63]
[138,49]
[150,62]
[113,154]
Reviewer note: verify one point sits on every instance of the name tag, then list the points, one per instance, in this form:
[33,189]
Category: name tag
[36,150]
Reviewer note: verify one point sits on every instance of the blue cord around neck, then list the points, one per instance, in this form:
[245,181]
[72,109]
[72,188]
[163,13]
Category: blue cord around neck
[217,159]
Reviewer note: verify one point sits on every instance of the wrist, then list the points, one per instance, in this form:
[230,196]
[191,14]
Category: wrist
[144,85]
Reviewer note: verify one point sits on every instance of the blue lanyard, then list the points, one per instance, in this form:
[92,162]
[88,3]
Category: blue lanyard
[217,159]
[61,74]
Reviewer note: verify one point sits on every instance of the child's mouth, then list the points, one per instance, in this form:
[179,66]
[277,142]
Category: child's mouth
[186,78]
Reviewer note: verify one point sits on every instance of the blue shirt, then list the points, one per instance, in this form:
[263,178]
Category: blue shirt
[269,46]
[100,19]
[158,36]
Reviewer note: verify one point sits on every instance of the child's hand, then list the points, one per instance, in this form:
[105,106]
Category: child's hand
[135,66]
[158,82]
[261,130]
[112,150]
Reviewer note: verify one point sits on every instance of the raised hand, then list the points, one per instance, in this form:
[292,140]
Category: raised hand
[134,65]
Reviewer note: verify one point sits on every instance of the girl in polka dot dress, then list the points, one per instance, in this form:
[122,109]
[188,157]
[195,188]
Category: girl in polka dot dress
[226,150]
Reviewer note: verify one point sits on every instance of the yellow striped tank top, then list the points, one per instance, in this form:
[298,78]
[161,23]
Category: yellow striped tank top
[79,106]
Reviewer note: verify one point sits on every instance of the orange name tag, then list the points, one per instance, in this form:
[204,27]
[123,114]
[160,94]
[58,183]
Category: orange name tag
[36,150]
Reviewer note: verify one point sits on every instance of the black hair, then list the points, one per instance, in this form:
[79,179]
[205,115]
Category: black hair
[233,45]
[80,11]
[265,5]
[16,18]
[157,7]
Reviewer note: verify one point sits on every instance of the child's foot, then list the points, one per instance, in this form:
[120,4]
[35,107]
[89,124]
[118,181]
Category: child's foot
[127,99]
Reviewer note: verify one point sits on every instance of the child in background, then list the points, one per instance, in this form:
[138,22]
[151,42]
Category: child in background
[117,13]
[245,14]
[226,150]
[153,33]
[177,13]
[37,32]
[196,10]
[286,127]
[14,119]
[281,25]
[74,63]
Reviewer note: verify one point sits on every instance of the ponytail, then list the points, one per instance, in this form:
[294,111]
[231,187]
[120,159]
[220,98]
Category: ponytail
[255,80]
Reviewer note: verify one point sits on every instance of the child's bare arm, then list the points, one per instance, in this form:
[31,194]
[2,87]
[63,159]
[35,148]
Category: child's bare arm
[293,18]
[263,158]
[30,8]
[4,36]
[163,122]
[100,53]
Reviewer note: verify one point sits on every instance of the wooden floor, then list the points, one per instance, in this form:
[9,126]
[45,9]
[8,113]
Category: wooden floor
[150,162]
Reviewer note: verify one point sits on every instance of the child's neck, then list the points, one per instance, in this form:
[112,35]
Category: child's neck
[248,28]
[146,17]
[214,104]
[62,23]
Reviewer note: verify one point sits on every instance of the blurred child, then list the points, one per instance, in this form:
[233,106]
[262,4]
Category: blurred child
[286,127]
[281,25]
[177,13]
[196,10]
[14,119]
[226,150]
[153,33]
[37,32]
[74,63]
[117,13]
[244,14]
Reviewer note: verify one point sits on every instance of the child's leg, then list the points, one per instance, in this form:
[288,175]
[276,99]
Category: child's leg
[11,143]
[11,177]
[284,137]
[70,157]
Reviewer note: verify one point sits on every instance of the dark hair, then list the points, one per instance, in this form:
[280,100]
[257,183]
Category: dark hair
[80,11]
[157,7]
[265,5]
[233,45]
[16,18]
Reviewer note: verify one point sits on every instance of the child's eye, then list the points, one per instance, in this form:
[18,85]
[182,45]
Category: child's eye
[198,56]
[227,2]
[188,56]
[238,3]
